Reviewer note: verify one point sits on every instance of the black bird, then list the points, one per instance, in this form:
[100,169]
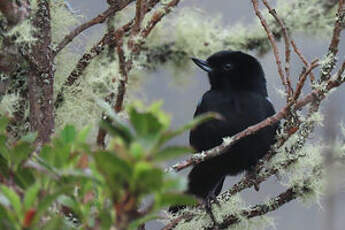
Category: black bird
[238,93]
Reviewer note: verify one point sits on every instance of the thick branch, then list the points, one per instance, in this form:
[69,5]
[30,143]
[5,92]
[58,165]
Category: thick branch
[262,209]
[41,76]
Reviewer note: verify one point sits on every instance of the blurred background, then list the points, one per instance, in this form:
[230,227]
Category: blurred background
[181,97]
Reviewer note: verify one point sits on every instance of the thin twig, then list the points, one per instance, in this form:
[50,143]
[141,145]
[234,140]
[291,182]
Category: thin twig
[121,89]
[274,46]
[108,38]
[340,74]
[142,8]
[97,20]
[158,15]
[303,77]
[287,46]
[303,59]
[333,46]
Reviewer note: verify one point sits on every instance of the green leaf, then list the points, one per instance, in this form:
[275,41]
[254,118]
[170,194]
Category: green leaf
[7,218]
[146,178]
[120,127]
[13,199]
[106,219]
[172,152]
[31,196]
[3,148]
[144,123]
[68,134]
[4,170]
[115,170]
[47,155]
[83,134]
[137,150]
[20,152]
[24,177]
[117,129]
[168,199]
[164,118]
[58,154]
[30,137]
[192,124]
[3,124]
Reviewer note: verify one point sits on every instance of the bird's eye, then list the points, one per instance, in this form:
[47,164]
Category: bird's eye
[228,67]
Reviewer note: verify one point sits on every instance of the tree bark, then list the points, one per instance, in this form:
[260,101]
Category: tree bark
[41,76]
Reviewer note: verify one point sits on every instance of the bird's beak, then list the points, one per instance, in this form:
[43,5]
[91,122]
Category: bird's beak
[202,64]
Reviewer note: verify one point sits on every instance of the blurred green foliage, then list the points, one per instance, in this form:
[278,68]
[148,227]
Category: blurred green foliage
[97,188]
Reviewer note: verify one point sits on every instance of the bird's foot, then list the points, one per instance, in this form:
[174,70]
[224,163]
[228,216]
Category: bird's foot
[211,199]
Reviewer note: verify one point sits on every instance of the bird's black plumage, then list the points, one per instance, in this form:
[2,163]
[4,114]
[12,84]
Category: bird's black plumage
[238,92]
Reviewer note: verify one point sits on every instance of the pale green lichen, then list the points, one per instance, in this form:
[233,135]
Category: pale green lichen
[65,62]
[234,206]
[191,32]
[100,79]
[8,104]
[33,6]
[306,167]
[23,32]
[79,107]
[62,20]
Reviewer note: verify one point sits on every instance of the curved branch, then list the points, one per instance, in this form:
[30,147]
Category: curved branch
[97,20]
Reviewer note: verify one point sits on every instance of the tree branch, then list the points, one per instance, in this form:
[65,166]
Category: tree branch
[41,76]
[287,47]
[264,208]
[97,20]
[333,46]
[303,59]
[270,36]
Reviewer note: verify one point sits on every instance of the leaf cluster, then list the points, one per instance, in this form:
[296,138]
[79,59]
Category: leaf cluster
[73,184]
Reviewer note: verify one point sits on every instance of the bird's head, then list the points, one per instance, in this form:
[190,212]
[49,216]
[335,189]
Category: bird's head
[234,70]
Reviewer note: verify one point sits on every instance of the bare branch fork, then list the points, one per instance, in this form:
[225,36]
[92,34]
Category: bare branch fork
[97,20]
[135,42]
[326,83]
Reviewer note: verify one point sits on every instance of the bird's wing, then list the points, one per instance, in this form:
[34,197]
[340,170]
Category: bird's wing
[240,110]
